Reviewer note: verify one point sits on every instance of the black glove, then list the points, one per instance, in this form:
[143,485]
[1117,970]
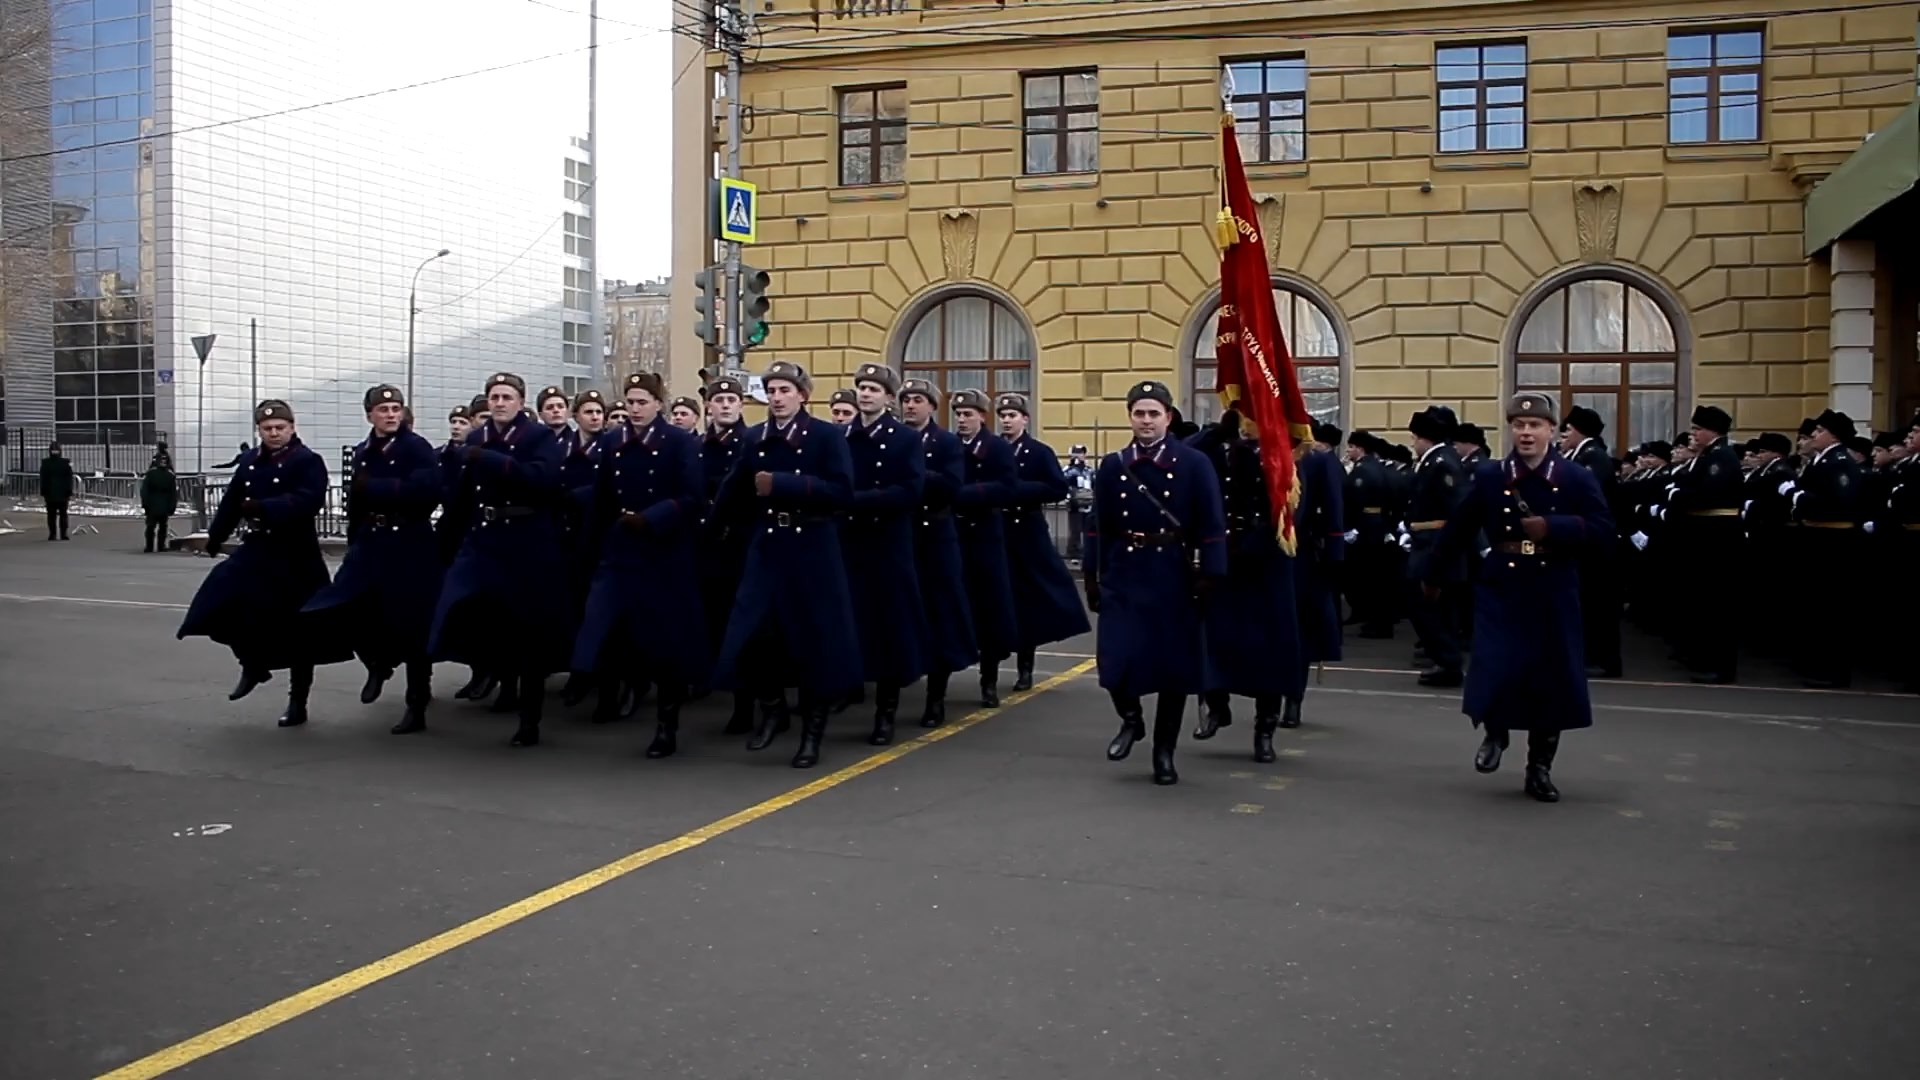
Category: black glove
[1093,593]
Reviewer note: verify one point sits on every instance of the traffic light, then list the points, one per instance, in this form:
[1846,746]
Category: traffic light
[753,306]
[712,283]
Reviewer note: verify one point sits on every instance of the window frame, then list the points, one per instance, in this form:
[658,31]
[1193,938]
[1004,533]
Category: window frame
[1481,86]
[937,371]
[1619,433]
[1714,71]
[1062,114]
[1341,362]
[876,126]
[1265,99]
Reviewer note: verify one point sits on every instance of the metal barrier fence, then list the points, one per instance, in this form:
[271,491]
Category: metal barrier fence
[202,495]
[25,446]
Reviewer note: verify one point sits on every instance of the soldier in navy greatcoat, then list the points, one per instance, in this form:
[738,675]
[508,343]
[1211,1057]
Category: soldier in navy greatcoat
[451,528]
[504,603]
[381,602]
[1251,623]
[979,509]
[1438,486]
[1581,443]
[936,549]
[1538,512]
[1701,510]
[1828,507]
[1320,549]
[792,620]
[248,600]
[889,475]
[1046,603]
[684,414]
[580,479]
[648,505]
[842,406]
[725,531]
[1156,548]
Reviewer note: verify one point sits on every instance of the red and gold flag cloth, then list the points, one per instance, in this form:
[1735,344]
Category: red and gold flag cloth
[1255,372]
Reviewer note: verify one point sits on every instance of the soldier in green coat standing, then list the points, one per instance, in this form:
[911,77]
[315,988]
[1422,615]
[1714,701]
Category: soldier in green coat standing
[159,494]
[56,488]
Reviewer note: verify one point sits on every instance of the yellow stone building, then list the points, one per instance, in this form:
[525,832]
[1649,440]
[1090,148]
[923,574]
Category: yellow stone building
[1460,199]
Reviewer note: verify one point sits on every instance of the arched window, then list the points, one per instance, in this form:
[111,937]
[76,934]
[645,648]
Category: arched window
[1608,345]
[970,342]
[1311,338]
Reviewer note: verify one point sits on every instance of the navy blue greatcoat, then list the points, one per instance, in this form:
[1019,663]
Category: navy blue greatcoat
[795,583]
[1046,603]
[1149,639]
[644,603]
[382,600]
[1320,533]
[505,606]
[725,531]
[988,486]
[936,554]
[1252,628]
[451,528]
[248,600]
[1528,671]
[889,475]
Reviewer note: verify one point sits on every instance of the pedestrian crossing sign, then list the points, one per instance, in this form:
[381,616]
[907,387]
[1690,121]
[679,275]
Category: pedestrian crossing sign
[739,211]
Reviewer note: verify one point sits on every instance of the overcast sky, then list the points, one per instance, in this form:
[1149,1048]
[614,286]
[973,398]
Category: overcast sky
[635,129]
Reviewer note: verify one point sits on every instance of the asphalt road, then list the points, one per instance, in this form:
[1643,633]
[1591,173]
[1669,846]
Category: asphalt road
[1726,891]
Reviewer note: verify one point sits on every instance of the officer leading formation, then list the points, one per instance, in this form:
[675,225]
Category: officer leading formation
[667,534]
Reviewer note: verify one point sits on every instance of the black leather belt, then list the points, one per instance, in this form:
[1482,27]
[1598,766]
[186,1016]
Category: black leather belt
[506,513]
[1164,538]
[788,520]
[928,517]
[1520,547]
[390,521]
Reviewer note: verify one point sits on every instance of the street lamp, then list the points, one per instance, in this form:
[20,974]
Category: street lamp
[413,309]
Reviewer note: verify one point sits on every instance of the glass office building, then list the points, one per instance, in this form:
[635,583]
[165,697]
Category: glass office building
[253,171]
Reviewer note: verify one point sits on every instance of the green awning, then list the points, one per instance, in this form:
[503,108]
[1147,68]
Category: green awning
[1886,167]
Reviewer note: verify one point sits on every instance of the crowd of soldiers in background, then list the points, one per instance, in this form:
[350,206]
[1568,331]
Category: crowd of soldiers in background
[1773,546]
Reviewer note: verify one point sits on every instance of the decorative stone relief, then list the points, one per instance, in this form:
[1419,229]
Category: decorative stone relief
[1269,209]
[959,240]
[1596,219]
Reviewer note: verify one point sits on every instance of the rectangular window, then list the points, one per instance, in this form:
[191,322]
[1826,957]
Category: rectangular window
[1269,100]
[1061,116]
[1483,96]
[873,135]
[1713,86]
[577,284]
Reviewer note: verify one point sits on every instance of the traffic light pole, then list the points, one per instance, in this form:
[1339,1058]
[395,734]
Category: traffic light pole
[733,32]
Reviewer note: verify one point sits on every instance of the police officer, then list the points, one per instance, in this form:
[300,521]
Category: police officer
[843,406]
[1156,545]
[382,601]
[724,532]
[248,601]
[1046,603]
[1438,486]
[551,406]
[889,478]
[1536,511]
[1827,510]
[685,414]
[979,508]
[1580,443]
[1252,622]
[1373,507]
[1320,548]
[1471,444]
[1702,511]
[649,500]
[792,620]
[938,563]
[488,614]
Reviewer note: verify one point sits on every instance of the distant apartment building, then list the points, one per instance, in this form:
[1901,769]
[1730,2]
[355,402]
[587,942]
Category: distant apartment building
[638,330]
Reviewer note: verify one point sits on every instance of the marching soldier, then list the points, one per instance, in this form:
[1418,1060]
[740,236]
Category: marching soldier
[793,478]
[1580,442]
[1702,510]
[1765,512]
[511,561]
[989,486]
[1046,604]
[1373,555]
[580,514]
[1529,665]
[650,495]
[1156,545]
[685,414]
[724,532]
[1252,623]
[1471,444]
[1827,512]
[451,528]
[843,406]
[382,601]
[889,477]
[248,601]
[1320,533]
[1438,487]
[938,563]
[551,405]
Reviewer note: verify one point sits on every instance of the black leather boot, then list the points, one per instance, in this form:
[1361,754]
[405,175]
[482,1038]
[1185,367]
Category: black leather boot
[579,686]
[249,678]
[376,680]
[299,684]
[629,700]
[1290,713]
[990,685]
[479,685]
[1133,726]
[1023,673]
[530,700]
[1541,748]
[813,727]
[1263,725]
[773,721]
[741,721]
[415,719]
[935,712]
[1167,712]
[886,702]
[666,734]
[1487,758]
[1216,712]
[509,699]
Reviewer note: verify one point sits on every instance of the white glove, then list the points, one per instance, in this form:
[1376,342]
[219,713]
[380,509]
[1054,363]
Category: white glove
[1746,506]
[1484,552]
[1639,541]
[1869,527]
[1406,542]
[1785,486]
[1671,488]
[1352,536]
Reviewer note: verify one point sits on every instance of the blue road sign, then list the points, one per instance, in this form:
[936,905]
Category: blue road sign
[739,211]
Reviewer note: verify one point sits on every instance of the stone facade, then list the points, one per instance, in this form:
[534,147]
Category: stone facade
[1427,262]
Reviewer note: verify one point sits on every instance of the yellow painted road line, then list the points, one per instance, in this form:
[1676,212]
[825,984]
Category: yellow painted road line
[288,1008]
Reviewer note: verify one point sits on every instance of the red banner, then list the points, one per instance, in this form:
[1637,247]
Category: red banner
[1255,373]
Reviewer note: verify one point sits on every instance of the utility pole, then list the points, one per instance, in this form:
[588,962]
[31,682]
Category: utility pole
[596,322]
[253,360]
[733,35]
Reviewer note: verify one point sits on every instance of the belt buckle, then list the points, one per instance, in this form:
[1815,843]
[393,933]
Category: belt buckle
[491,513]
[783,519]
[1526,547]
